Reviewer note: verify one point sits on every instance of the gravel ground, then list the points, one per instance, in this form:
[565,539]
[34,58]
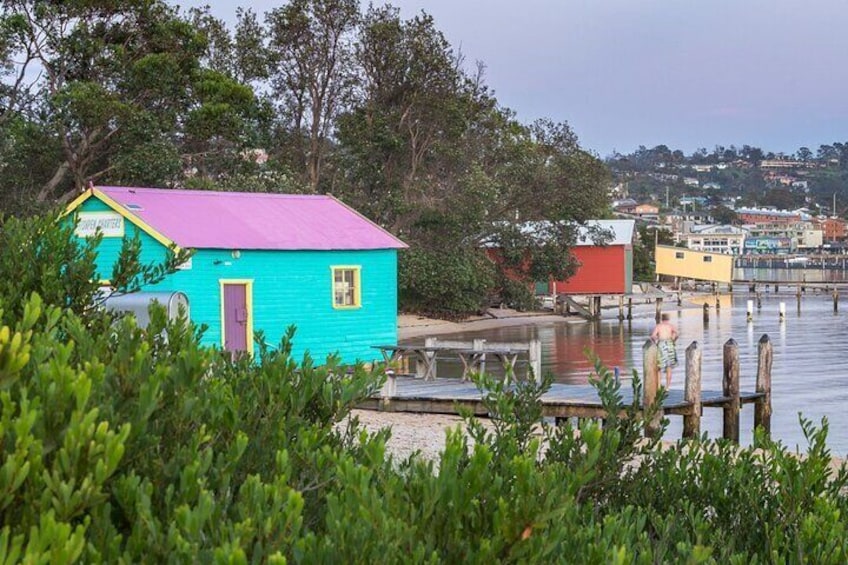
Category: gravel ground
[411,432]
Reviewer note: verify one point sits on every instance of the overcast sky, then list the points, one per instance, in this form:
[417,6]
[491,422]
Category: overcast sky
[685,73]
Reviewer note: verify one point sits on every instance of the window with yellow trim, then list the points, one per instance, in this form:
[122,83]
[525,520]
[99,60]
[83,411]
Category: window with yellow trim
[346,287]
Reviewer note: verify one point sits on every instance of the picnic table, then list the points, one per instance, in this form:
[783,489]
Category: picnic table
[472,359]
[427,356]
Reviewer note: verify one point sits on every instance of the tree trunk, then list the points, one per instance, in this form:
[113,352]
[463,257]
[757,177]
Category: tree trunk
[48,189]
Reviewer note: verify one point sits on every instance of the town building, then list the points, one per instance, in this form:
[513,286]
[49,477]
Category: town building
[261,262]
[772,227]
[784,164]
[768,245]
[833,228]
[646,211]
[726,239]
[681,223]
[624,205]
[767,217]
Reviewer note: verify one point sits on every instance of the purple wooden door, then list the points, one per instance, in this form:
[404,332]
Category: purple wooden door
[235,317]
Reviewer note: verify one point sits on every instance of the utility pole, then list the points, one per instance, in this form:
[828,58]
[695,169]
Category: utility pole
[657,242]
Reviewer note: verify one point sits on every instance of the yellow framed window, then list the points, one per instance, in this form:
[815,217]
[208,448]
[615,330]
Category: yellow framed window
[347,286]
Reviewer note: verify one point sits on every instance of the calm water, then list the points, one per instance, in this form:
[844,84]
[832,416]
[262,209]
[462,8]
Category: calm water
[810,372]
[793,275]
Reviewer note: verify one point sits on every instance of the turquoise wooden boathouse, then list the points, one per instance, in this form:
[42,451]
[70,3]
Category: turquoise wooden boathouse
[261,262]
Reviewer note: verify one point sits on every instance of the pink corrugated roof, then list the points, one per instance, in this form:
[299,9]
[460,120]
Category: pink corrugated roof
[241,220]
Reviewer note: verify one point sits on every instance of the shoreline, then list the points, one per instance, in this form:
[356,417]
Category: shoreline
[426,432]
[414,326]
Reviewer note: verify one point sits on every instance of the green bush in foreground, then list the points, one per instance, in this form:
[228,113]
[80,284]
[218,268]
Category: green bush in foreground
[119,444]
[141,446]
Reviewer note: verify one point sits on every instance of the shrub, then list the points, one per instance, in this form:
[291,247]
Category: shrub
[445,283]
[139,445]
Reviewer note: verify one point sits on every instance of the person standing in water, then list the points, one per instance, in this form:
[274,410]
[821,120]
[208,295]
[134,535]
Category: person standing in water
[665,336]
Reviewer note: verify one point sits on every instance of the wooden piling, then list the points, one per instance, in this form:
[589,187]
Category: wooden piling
[621,307]
[630,308]
[651,372]
[706,312]
[835,299]
[798,296]
[731,390]
[679,298]
[762,409]
[759,300]
[659,308]
[717,301]
[389,389]
[692,393]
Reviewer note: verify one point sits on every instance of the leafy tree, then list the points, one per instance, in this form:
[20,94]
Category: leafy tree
[644,251]
[102,63]
[410,116]
[28,154]
[752,154]
[804,154]
[782,199]
[305,52]
[429,154]
[122,93]
[723,215]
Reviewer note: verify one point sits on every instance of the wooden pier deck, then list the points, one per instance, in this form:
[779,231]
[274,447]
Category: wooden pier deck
[445,396]
[449,396]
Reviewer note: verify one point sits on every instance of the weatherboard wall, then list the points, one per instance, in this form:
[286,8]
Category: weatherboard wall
[289,288]
[603,270]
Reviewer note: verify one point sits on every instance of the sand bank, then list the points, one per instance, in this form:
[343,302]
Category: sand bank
[411,326]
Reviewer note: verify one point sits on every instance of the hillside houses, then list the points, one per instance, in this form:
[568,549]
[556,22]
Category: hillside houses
[756,230]
[790,202]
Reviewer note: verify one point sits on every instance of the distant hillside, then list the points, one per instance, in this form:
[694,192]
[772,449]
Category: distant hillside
[747,176]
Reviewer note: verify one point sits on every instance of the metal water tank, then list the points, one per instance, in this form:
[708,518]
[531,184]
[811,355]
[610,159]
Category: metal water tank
[137,303]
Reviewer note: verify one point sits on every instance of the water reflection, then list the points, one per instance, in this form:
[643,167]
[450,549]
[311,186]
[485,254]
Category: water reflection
[810,371]
[792,275]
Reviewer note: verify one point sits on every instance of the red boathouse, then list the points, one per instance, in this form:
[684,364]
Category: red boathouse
[605,268]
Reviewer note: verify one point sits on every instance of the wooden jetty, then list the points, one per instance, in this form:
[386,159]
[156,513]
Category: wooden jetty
[567,304]
[448,396]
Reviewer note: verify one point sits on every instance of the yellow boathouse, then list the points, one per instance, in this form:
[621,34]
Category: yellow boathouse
[688,264]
